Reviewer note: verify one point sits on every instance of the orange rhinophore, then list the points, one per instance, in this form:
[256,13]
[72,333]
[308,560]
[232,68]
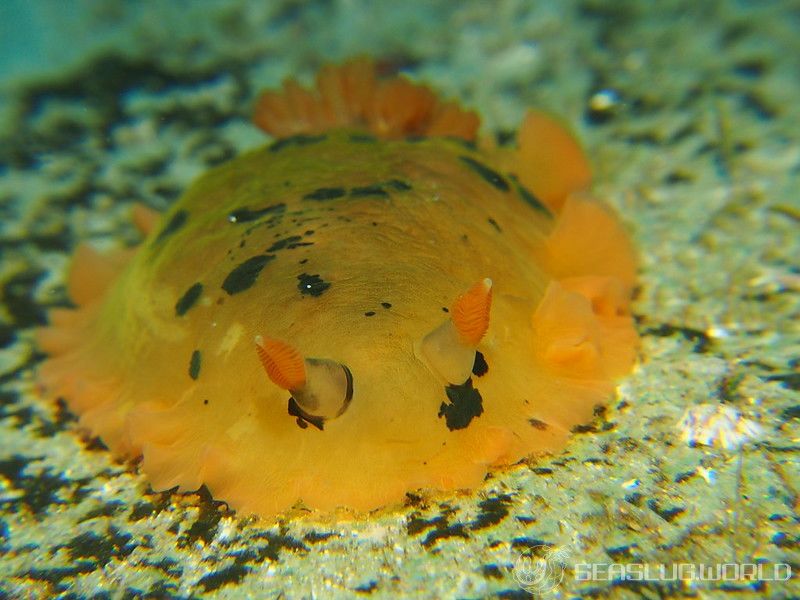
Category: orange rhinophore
[283,364]
[470,312]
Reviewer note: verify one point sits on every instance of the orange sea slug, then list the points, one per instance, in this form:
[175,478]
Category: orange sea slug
[369,305]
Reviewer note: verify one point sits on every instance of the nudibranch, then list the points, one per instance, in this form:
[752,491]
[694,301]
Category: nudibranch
[375,302]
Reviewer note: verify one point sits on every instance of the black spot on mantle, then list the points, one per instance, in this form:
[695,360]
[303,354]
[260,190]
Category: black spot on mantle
[244,275]
[194,364]
[363,138]
[465,404]
[487,174]
[364,191]
[296,140]
[177,221]
[480,367]
[529,198]
[245,215]
[312,285]
[326,193]
[188,299]
[399,185]
[289,243]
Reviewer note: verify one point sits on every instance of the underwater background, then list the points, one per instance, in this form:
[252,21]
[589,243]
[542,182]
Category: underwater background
[689,112]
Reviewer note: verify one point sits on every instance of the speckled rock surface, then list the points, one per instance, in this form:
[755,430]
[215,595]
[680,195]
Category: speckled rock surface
[691,117]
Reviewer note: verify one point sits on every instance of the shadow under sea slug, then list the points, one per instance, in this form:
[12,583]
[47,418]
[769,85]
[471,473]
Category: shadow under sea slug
[375,302]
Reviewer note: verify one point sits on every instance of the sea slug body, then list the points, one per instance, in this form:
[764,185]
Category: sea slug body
[375,302]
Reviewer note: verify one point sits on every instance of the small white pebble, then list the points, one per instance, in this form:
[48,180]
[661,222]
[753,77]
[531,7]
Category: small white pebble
[718,332]
[717,425]
[226,530]
[710,475]
[604,100]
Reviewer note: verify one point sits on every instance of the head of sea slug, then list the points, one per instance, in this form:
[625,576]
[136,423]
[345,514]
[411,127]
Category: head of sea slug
[377,301]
